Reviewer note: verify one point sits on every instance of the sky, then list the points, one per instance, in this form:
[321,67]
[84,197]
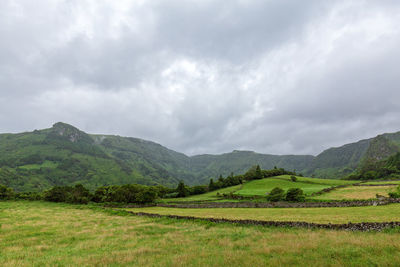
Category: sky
[276,77]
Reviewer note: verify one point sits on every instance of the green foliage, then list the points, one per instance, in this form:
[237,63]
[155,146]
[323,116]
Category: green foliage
[182,190]
[276,194]
[395,194]
[129,193]
[6,193]
[293,178]
[295,195]
[29,196]
[76,195]
[198,189]
[383,169]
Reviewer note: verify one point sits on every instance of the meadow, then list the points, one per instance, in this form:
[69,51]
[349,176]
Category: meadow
[314,215]
[209,196]
[357,192]
[51,234]
[264,186]
[260,188]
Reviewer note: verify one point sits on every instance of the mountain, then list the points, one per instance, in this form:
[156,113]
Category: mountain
[341,161]
[240,161]
[65,155]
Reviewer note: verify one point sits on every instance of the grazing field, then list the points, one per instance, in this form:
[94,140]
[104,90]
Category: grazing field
[210,196]
[49,234]
[315,215]
[384,182]
[308,185]
[357,192]
[330,182]
[263,186]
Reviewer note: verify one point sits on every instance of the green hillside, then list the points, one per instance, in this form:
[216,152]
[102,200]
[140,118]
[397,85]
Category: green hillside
[64,155]
[239,162]
[341,161]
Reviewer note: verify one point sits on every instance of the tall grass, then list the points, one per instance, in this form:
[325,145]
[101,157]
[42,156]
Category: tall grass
[49,234]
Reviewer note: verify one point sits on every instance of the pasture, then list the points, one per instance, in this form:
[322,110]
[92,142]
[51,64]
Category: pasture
[50,234]
[357,192]
[313,215]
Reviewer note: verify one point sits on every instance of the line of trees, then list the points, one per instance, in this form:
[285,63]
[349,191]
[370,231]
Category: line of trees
[134,193]
[78,194]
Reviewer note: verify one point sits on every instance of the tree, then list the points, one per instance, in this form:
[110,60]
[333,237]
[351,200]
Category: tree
[182,190]
[295,195]
[211,185]
[258,174]
[5,192]
[293,178]
[276,194]
[147,195]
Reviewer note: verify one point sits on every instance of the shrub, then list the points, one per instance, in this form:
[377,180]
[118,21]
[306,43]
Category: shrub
[6,193]
[395,194]
[295,195]
[276,194]
[293,178]
[56,194]
[29,196]
[182,190]
[76,195]
[130,193]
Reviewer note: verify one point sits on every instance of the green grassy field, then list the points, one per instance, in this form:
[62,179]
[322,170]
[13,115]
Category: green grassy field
[210,196]
[308,185]
[357,192]
[383,182]
[49,234]
[315,215]
[331,182]
[261,187]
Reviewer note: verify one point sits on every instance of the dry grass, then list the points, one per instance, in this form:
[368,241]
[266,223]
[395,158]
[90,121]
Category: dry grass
[44,234]
[315,215]
[357,192]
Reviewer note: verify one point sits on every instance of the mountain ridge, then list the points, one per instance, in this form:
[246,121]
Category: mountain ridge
[65,155]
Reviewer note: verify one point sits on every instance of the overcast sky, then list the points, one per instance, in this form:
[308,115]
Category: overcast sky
[279,77]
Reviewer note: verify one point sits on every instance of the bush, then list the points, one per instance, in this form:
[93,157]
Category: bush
[6,193]
[277,194]
[198,189]
[182,190]
[293,178]
[295,195]
[29,196]
[76,195]
[130,193]
[395,194]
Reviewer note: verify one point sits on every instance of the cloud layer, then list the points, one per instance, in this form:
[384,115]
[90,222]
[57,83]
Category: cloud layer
[204,76]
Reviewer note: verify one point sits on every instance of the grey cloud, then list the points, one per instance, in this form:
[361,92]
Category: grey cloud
[204,76]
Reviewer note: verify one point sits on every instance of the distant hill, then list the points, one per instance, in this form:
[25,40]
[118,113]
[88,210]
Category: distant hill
[64,155]
[341,161]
